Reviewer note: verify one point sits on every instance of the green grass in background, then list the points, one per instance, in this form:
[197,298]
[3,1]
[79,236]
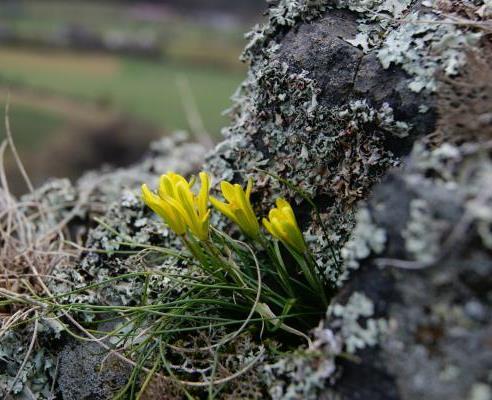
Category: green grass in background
[30,126]
[146,89]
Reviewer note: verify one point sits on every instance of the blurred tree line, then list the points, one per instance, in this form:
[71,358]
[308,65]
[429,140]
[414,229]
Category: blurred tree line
[250,6]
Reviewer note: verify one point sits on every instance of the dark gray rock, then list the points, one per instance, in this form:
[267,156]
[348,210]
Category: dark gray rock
[88,373]
[320,48]
[438,302]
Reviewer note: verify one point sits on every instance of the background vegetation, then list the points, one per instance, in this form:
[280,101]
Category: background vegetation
[75,67]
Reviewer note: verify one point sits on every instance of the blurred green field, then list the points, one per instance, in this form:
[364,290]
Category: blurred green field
[69,95]
[204,53]
[142,88]
[31,126]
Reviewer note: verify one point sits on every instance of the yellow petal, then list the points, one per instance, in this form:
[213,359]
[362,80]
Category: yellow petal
[223,208]
[245,206]
[202,199]
[203,233]
[179,210]
[151,200]
[244,222]
[240,197]
[176,178]
[275,213]
[186,200]
[268,226]
[165,187]
[293,236]
[277,229]
[162,208]
[287,210]
[228,191]
[249,187]
[174,220]
[280,202]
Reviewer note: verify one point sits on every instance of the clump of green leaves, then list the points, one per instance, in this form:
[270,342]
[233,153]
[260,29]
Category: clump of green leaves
[254,274]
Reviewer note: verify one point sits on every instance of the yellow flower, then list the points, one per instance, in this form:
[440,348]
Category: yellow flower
[164,210]
[178,206]
[282,224]
[238,209]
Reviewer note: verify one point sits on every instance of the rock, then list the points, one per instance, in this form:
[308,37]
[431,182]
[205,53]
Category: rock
[320,48]
[87,373]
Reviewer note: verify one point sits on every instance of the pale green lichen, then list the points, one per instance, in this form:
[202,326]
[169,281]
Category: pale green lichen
[39,371]
[375,17]
[302,375]
[442,161]
[366,239]
[287,13]
[423,45]
[444,201]
[480,391]
[376,8]
[421,42]
[56,198]
[423,232]
[485,10]
[354,324]
[452,168]
[479,207]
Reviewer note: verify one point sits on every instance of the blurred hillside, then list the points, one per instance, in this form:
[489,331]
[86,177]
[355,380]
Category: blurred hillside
[84,69]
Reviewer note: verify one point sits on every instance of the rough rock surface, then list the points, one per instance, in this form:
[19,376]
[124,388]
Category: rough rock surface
[380,110]
[87,374]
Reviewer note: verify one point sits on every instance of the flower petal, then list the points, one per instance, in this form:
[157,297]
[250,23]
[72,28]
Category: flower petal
[186,200]
[163,209]
[249,187]
[223,208]
[268,226]
[202,198]
[228,191]
[293,236]
[165,187]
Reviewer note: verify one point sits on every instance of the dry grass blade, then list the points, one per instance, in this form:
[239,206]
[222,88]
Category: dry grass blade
[29,247]
[12,146]
[195,120]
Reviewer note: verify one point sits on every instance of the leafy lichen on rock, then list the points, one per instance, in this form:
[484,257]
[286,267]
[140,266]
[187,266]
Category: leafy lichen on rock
[443,314]
[366,238]
[347,319]
[303,374]
[422,46]
[39,370]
